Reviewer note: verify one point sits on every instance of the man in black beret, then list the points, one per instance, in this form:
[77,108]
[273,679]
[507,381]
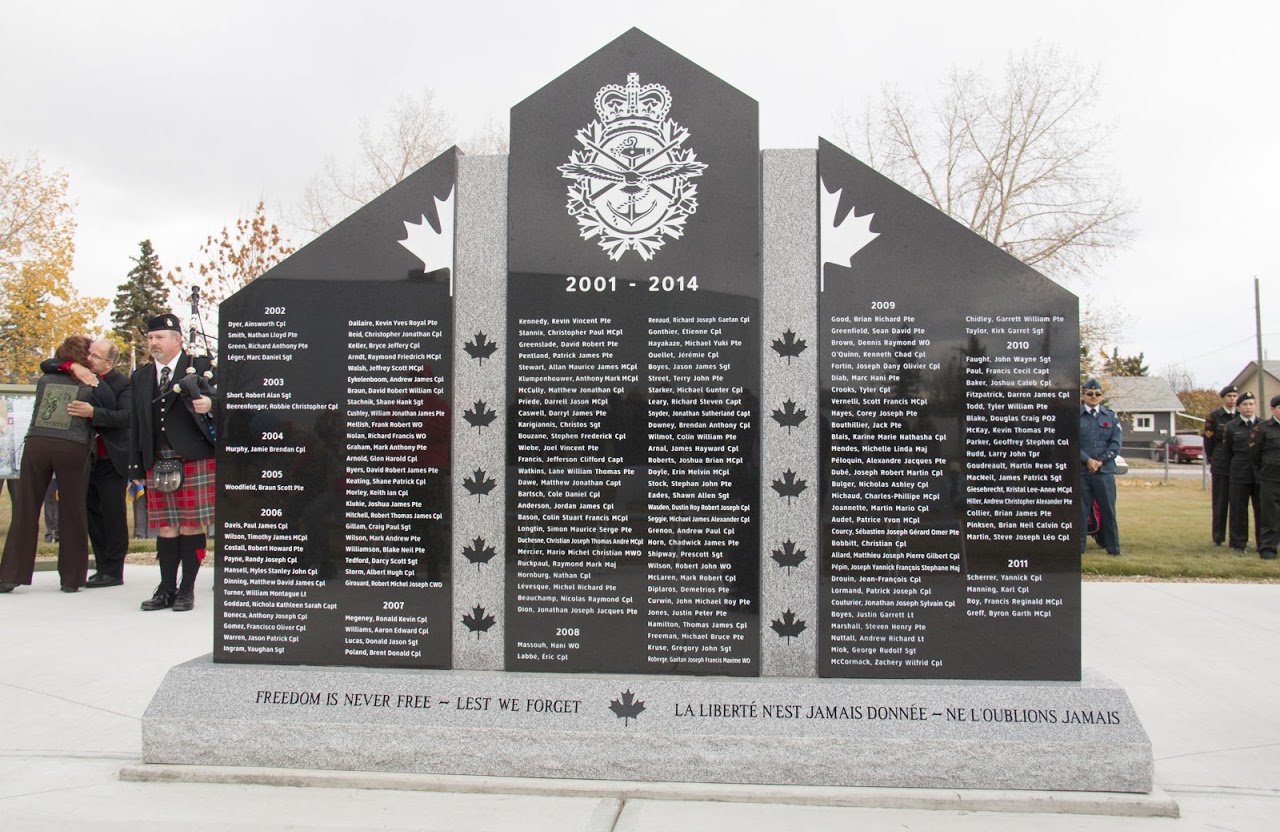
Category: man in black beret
[1245,489]
[173,450]
[1264,449]
[1215,451]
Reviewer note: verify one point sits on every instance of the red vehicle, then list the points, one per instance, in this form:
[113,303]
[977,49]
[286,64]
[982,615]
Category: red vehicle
[1184,447]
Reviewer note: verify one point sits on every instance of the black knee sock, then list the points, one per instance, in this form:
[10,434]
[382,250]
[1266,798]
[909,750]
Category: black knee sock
[191,545]
[167,552]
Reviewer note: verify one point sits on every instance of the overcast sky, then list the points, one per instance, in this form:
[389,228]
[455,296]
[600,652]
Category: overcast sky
[172,118]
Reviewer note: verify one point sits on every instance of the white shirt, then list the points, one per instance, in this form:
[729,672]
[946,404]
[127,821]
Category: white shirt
[173,371]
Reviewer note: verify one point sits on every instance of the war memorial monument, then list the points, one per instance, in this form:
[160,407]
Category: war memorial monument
[644,454]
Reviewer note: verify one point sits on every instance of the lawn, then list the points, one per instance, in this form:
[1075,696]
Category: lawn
[1164,532]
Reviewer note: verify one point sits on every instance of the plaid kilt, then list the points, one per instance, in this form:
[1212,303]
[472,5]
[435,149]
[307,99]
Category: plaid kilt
[191,504]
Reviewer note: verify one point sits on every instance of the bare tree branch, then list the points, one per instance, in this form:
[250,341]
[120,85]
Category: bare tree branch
[1021,163]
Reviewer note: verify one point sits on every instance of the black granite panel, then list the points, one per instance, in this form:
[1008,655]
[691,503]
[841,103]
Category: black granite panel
[334,507]
[949,375]
[634,370]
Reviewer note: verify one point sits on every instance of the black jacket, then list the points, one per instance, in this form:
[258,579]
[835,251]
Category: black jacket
[1265,450]
[1215,446]
[1236,439]
[112,423]
[180,425]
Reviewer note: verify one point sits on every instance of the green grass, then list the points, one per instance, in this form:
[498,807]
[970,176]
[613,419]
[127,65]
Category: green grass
[50,550]
[1165,533]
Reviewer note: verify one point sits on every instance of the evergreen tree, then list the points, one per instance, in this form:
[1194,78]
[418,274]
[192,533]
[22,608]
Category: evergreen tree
[143,295]
[1116,364]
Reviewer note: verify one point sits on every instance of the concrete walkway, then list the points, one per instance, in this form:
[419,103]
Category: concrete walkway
[1200,661]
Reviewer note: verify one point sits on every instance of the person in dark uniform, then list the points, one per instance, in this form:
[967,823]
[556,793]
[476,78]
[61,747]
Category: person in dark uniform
[1245,489]
[1215,451]
[108,522]
[57,443]
[1264,449]
[173,451]
[1099,446]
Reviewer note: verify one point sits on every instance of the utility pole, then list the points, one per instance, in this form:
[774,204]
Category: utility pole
[1257,308]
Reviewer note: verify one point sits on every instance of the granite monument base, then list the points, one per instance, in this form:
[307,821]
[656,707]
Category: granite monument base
[1059,736]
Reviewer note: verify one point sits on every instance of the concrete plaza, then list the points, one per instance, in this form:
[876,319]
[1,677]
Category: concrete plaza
[1201,663]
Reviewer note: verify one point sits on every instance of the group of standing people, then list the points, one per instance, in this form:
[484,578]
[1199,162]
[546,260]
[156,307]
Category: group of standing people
[95,429]
[1243,449]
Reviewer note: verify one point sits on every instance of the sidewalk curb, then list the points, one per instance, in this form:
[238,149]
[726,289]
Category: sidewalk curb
[1156,804]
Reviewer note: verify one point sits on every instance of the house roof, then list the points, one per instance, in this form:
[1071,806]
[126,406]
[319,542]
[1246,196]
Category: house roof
[1135,394]
[1272,368]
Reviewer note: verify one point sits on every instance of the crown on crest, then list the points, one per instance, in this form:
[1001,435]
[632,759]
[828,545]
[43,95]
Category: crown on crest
[633,105]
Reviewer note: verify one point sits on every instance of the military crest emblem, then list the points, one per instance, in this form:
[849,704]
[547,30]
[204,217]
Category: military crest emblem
[630,183]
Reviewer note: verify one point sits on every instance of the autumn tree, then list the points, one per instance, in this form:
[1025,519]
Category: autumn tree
[143,295]
[231,258]
[1020,162]
[1198,402]
[1115,364]
[413,132]
[39,306]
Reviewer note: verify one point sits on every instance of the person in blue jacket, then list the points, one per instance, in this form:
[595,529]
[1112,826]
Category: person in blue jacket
[1099,447]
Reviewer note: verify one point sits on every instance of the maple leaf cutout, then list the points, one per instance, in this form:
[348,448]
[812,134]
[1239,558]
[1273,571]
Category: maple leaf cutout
[790,346]
[435,250]
[789,486]
[789,627]
[480,347]
[788,557]
[478,484]
[628,708]
[479,417]
[478,622]
[478,552]
[788,417]
[840,242]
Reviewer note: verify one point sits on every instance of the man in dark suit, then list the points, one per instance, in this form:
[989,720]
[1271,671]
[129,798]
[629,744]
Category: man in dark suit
[1215,451]
[172,429]
[105,506]
[1245,487]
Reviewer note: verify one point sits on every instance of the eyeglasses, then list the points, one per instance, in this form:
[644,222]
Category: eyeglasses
[1093,392]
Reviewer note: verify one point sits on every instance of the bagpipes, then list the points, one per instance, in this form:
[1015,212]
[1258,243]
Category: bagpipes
[192,386]
[195,384]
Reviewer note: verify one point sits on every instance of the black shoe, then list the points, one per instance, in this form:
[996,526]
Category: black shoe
[184,601]
[1267,555]
[66,588]
[99,580]
[1114,554]
[160,600]
[5,586]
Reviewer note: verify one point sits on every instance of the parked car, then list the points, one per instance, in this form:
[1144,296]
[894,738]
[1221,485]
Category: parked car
[1183,447]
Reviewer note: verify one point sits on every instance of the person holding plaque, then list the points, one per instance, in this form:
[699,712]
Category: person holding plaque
[172,451]
[58,443]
